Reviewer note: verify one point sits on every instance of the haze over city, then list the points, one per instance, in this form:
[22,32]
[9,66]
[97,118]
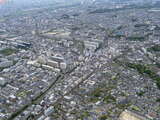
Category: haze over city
[79,59]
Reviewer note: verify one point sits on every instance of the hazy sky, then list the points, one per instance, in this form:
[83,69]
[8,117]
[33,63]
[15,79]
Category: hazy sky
[28,2]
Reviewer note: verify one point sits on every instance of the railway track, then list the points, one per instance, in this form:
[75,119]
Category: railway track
[33,101]
[54,85]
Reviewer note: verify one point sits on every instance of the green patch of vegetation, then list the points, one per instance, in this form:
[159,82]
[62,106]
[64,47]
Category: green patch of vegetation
[110,32]
[1,69]
[22,94]
[94,99]
[136,38]
[2,32]
[134,19]
[158,100]
[103,117]
[109,99]
[117,36]
[141,93]
[84,114]
[15,62]
[145,69]
[106,74]
[157,64]
[8,51]
[140,68]
[155,48]
[123,106]
[128,7]
[141,25]
[95,95]
[25,57]
[57,109]
[135,108]
[157,109]
[97,92]
[115,77]
[101,11]
[100,93]
[120,27]
[73,112]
